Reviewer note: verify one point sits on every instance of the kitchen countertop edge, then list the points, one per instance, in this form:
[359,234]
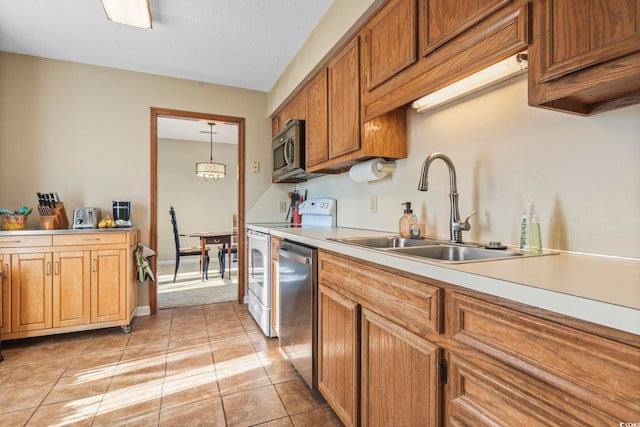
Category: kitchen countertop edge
[553,288]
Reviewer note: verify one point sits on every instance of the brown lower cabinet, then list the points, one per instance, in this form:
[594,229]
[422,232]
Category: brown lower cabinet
[56,283]
[400,349]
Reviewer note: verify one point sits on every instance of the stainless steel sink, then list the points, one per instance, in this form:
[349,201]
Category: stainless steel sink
[447,253]
[435,250]
[386,242]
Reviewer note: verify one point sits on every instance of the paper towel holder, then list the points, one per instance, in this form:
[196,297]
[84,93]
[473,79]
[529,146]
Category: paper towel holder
[372,170]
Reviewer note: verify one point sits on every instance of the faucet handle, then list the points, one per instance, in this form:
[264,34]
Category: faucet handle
[466,225]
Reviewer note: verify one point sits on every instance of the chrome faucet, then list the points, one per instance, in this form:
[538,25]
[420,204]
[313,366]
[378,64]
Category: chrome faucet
[457,226]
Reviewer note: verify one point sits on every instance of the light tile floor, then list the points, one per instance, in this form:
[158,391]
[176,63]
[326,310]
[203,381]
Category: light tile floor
[205,365]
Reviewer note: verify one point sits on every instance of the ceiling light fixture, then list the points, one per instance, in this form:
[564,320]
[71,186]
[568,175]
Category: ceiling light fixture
[494,74]
[136,13]
[211,170]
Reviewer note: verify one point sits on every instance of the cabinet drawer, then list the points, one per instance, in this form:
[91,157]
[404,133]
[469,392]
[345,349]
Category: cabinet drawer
[601,372]
[89,239]
[24,240]
[414,305]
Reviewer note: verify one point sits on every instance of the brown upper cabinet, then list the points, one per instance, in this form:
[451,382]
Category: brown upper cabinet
[455,40]
[317,132]
[442,20]
[389,42]
[344,100]
[585,55]
[341,140]
[295,109]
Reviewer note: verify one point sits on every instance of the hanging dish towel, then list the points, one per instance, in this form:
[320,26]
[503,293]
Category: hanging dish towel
[142,255]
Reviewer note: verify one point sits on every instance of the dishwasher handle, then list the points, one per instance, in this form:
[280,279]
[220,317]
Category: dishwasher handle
[300,259]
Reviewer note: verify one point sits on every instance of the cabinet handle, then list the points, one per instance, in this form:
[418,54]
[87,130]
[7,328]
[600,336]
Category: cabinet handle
[4,270]
[12,241]
[48,268]
[90,239]
[93,265]
[56,268]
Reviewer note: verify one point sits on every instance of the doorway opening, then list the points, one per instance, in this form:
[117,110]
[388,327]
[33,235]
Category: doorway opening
[159,220]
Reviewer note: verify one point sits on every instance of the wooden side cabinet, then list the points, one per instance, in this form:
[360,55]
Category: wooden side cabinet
[71,288]
[67,282]
[108,275]
[400,384]
[5,294]
[536,371]
[339,353]
[31,293]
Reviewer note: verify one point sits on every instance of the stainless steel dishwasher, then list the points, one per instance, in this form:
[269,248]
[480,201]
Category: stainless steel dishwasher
[298,281]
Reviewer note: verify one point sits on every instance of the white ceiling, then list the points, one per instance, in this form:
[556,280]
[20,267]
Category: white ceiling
[240,43]
[197,130]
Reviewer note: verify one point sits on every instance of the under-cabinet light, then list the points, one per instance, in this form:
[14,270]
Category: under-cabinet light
[136,13]
[496,73]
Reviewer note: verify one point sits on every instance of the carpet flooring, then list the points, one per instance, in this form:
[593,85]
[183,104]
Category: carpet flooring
[189,289]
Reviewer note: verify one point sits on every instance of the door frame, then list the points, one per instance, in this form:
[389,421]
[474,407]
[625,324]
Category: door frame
[153,231]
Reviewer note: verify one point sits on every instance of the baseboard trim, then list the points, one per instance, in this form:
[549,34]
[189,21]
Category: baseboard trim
[144,310]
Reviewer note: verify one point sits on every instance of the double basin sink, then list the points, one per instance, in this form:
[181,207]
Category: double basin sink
[435,250]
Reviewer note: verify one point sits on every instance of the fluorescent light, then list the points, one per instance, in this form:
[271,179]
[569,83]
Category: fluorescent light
[129,12]
[496,73]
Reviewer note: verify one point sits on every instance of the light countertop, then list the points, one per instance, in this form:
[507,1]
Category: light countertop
[602,290]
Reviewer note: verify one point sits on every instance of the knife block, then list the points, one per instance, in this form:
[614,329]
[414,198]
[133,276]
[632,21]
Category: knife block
[57,221]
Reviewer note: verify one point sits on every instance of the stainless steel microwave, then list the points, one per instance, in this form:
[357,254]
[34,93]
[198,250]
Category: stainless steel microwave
[289,154]
[288,151]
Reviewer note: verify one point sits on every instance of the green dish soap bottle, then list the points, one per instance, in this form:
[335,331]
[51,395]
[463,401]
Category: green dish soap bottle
[530,236]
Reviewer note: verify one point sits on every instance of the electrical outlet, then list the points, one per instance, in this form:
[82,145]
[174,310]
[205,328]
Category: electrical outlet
[373,204]
[255,166]
[282,206]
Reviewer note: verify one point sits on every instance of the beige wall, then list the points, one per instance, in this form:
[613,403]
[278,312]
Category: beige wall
[340,20]
[84,132]
[200,205]
[582,173]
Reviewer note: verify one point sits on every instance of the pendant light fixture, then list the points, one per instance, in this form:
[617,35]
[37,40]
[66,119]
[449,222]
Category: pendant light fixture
[211,170]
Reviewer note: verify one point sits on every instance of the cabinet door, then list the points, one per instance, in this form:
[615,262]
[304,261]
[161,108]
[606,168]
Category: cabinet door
[5,293]
[31,281]
[582,33]
[596,375]
[317,139]
[482,392]
[338,353]
[71,288]
[400,384]
[108,285]
[442,20]
[344,100]
[389,42]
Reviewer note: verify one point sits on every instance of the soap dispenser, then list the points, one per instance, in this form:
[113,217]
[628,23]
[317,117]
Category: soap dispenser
[405,221]
[530,238]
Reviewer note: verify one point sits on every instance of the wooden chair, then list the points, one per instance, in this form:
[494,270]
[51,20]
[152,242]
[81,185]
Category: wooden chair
[191,251]
[222,253]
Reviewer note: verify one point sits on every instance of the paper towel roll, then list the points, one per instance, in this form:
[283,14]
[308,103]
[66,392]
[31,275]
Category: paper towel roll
[367,171]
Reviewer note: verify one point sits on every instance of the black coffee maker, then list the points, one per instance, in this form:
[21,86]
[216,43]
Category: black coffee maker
[122,213]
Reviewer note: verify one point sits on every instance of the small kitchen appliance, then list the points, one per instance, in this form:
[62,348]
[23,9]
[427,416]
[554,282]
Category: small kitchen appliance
[288,149]
[86,217]
[122,213]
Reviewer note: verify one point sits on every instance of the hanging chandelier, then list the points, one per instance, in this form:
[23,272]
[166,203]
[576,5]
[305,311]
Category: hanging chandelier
[211,170]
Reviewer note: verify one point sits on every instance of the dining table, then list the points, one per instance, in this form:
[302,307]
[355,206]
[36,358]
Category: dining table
[212,238]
